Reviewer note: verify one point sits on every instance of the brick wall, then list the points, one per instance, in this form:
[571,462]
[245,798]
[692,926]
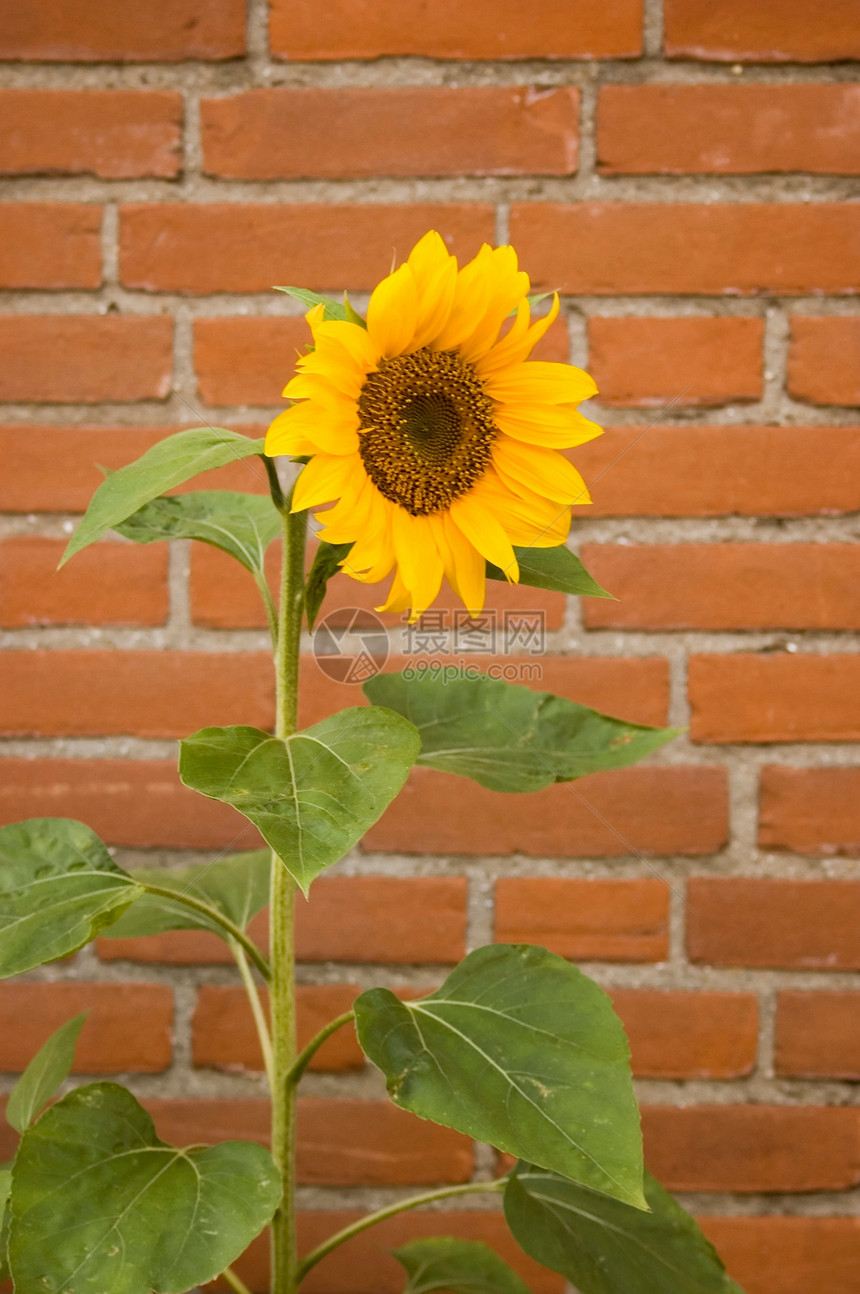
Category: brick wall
[681,175]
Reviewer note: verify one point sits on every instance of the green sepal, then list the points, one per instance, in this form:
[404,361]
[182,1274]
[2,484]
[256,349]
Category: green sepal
[333,309]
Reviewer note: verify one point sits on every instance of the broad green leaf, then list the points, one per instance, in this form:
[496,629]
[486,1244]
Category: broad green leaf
[604,1247]
[169,463]
[556,568]
[458,1266]
[326,563]
[5,1191]
[333,309]
[519,1049]
[237,885]
[242,525]
[313,795]
[99,1203]
[59,887]
[508,737]
[44,1074]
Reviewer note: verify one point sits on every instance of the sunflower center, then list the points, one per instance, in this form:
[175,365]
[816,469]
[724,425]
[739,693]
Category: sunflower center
[426,429]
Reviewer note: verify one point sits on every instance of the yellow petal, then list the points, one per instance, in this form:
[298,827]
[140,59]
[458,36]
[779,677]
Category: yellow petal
[543,470]
[418,559]
[393,313]
[519,342]
[427,257]
[330,431]
[529,520]
[399,596]
[507,286]
[354,339]
[469,297]
[465,567]
[485,532]
[283,439]
[537,381]
[435,299]
[322,479]
[550,425]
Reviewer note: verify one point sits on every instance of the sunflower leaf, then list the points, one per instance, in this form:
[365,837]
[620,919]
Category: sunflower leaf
[169,463]
[242,525]
[518,1049]
[604,1247]
[508,737]
[457,1266]
[99,1202]
[326,563]
[333,309]
[59,887]
[44,1074]
[312,795]
[5,1191]
[557,569]
[237,885]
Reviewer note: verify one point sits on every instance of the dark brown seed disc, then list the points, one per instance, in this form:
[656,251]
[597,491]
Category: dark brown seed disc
[426,429]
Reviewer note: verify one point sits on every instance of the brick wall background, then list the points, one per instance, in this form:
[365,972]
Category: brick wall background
[683,176]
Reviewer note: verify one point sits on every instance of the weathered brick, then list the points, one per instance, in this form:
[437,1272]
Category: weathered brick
[680,247]
[810,810]
[114,134]
[246,361]
[224,1036]
[64,31]
[646,810]
[48,245]
[242,247]
[416,130]
[728,129]
[770,31]
[824,360]
[789,1255]
[688,1035]
[756,697]
[686,361]
[585,919]
[108,584]
[32,1011]
[725,586]
[763,921]
[85,358]
[338,29]
[818,1035]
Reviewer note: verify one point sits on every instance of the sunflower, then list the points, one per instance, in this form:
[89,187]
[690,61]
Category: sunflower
[432,434]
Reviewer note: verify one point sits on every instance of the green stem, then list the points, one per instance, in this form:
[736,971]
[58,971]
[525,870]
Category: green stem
[305,1057]
[269,603]
[213,914]
[256,1008]
[371,1219]
[235,1282]
[282,993]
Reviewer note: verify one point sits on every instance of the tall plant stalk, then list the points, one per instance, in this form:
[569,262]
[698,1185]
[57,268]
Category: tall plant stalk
[281,914]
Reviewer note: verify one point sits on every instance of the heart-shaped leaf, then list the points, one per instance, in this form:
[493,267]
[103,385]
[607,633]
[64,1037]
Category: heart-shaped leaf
[326,563]
[44,1074]
[604,1247]
[59,887]
[313,795]
[237,885]
[508,737]
[457,1266]
[99,1203]
[517,1048]
[167,464]
[242,525]
[557,569]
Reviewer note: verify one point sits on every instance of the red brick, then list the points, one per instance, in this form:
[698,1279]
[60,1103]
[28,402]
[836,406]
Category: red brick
[239,247]
[74,453]
[680,247]
[64,31]
[762,697]
[139,803]
[49,245]
[416,130]
[728,129]
[769,31]
[32,1011]
[688,1035]
[585,919]
[686,361]
[719,471]
[758,921]
[790,1255]
[339,29]
[147,693]
[810,810]
[388,919]
[824,360]
[752,1148]
[85,358]
[818,1035]
[108,584]
[114,134]
[646,810]
[725,586]
[223,1033]
[340,1142]
[246,361]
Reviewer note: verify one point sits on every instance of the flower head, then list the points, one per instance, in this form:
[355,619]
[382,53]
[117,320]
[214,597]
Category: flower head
[431,432]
